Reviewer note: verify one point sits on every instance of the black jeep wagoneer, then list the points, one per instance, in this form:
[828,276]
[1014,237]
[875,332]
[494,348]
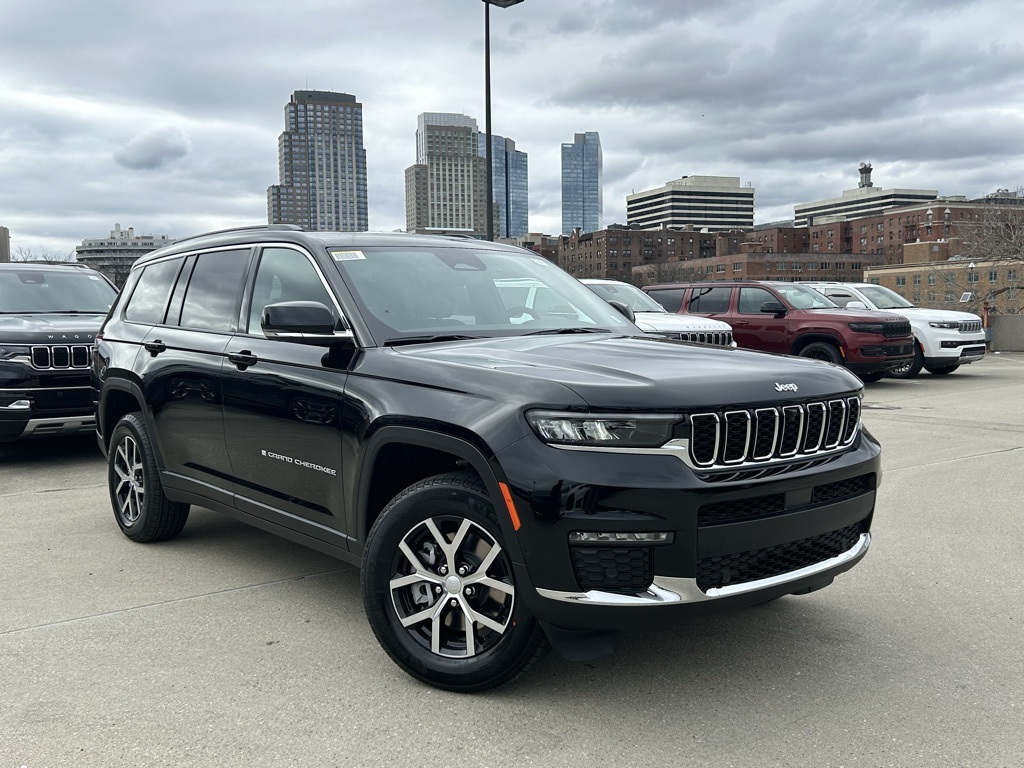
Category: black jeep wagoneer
[506,476]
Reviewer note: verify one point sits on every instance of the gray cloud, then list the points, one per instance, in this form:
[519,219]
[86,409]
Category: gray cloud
[153,149]
[790,95]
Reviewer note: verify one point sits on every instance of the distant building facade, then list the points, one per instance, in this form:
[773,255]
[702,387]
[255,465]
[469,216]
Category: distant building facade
[322,164]
[545,245]
[511,186]
[582,184]
[446,189]
[715,203]
[114,255]
[858,203]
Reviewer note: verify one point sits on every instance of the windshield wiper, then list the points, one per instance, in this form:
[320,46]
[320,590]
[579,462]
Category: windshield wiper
[556,331]
[397,341]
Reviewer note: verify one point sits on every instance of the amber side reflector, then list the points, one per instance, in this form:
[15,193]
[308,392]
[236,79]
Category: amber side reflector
[510,505]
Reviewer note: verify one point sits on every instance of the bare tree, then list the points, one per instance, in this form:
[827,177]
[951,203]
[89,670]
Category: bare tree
[996,239]
[43,256]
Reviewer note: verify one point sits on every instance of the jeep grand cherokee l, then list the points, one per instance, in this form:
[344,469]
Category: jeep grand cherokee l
[49,314]
[504,477]
[791,319]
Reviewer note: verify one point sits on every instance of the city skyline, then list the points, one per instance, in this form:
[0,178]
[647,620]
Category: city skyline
[179,136]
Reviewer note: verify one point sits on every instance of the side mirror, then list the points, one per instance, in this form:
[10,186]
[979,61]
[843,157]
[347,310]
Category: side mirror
[623,309]
[304,321]
[773,308]
[856,305]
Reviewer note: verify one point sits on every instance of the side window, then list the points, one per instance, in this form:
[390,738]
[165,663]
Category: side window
[670,298]
[751,300]
[285,274]
[710,300]
[149,299]
[211,300]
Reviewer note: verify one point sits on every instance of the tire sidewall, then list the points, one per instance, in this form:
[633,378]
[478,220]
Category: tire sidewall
[448,495]
[132,426]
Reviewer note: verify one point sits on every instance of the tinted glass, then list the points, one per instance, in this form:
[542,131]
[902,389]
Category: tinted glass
[883,298]
[149,299]
[36,290]
[285,275]
[214,289]
[670,298]
[710,300]
[751,300]
[629,295]
[464,290]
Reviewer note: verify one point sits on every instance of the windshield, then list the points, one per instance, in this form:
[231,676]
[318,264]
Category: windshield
[416,293]
[883,298]
[28,290]
[628,294]
[802,297]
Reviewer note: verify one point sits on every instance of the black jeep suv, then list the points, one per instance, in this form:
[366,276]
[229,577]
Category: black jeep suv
[504,476]
[49,314]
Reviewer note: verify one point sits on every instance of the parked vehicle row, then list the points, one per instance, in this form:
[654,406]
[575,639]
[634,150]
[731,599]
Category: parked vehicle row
[868,328]
[508,459]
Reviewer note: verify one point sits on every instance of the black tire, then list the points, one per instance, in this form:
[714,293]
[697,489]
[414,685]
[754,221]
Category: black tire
[942,370]
[911,368]
[142,511]
[822,350]
[450,512]
[874,376]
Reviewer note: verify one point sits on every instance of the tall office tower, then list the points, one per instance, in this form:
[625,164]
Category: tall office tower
[510,173]
[322,164]
[582,184]
[445,189]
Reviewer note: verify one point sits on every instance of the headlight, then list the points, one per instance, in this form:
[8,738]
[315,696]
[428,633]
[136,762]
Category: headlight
[867,327]
[11,351]
[948,324]
[608,430]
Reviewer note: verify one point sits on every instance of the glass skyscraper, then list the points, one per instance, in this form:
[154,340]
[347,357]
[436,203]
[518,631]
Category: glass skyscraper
[582,184]
[511,186]
[322,164]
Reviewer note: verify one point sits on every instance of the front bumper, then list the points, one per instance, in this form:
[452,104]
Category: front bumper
[729,544]
[45,412]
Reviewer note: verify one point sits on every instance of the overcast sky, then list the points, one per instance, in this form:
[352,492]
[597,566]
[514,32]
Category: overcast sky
[164,116]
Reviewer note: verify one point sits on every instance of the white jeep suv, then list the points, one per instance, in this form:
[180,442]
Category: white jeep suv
[944,339]
[653,318]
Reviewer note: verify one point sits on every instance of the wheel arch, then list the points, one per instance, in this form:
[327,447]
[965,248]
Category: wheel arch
[118,398]
[819,336]
[395,457]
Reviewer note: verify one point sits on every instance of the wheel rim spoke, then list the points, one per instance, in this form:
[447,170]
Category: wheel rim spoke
[451,587]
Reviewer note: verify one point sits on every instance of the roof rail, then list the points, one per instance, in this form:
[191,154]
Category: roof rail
[251,227]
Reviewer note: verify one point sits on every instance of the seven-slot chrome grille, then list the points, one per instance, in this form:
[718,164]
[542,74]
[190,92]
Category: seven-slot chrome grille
[61,356]
[718,338]
[970,326]
[745,437]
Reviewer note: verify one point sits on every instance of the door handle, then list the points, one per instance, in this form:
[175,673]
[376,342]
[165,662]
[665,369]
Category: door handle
[739,322]
[155,347]
[243,359]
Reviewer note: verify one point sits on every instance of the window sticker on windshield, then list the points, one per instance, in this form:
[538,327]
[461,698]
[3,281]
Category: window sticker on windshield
[347,255]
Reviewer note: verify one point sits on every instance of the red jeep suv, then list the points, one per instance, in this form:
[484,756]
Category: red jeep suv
[793,319]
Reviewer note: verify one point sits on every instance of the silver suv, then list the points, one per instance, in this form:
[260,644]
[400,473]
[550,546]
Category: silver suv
[943,339]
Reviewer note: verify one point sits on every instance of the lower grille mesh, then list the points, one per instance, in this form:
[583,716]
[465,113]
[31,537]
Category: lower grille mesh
[625,570]
[764,563]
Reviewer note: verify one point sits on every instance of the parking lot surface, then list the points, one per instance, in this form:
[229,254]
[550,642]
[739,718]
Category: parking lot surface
[230,647]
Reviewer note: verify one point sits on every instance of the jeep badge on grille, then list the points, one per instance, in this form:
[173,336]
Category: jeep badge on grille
[785,387]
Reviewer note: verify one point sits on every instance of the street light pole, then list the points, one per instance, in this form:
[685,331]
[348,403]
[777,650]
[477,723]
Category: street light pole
[487,108]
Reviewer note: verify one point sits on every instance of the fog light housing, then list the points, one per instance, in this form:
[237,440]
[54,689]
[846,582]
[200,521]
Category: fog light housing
[620,537]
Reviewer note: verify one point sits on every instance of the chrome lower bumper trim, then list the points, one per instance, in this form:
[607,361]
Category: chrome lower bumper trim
[59,426]
[668,590]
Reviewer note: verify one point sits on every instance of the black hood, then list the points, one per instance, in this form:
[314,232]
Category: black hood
[49,328]
[623,371]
